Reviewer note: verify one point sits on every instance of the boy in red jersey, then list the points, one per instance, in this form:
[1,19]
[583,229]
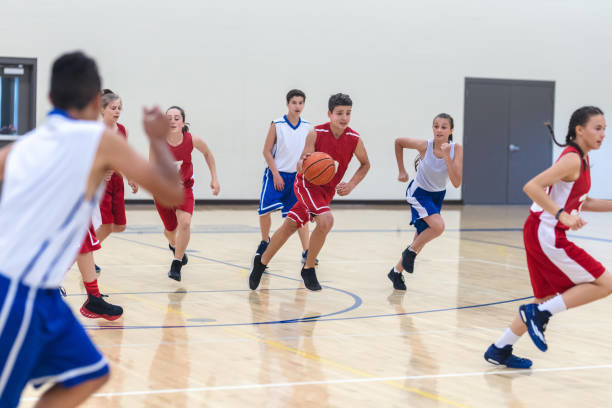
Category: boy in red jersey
[341,143]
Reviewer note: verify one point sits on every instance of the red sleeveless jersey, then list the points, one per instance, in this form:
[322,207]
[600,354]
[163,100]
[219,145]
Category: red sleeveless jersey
[182,157]
[567,194]
[340,149]
[121,130]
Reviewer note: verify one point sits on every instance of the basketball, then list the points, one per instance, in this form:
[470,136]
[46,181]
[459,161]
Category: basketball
[319,168]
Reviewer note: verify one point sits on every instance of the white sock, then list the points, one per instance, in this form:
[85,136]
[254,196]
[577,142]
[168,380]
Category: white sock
[554,305]
[176,259]
[507,338]
[411,249]
[395,270]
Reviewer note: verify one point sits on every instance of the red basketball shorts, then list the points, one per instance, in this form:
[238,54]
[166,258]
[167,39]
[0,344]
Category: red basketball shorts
[311,201]
[91,242]
[112,206]
[168,215]
[555,263]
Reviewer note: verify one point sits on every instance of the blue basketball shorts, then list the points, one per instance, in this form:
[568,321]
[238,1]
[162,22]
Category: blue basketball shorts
[41,341]
[423,203]
[272,199]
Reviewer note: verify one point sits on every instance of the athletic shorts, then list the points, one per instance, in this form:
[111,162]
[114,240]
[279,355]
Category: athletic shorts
[423,203]
[112,206]
[91,242]
[555,263]
[311,201]
[272,199]
[168,215]
[41,341]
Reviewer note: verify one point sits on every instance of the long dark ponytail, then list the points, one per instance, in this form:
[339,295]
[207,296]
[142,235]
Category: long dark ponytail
[417,160]
[580,117]
[186,127]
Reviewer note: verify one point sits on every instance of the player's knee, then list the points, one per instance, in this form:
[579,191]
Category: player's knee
[325,222]
[290,224]
[118,228]
[437,226]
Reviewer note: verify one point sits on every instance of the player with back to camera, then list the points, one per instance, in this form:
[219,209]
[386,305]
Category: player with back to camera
[177,220]
[58,170]
[341,142]
[563,275]
[439,160]
[282,150]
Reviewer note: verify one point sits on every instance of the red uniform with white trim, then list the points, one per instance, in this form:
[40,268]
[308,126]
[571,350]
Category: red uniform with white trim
[91,242]
[313,199]
[112,206]
[182,157]
[555,263]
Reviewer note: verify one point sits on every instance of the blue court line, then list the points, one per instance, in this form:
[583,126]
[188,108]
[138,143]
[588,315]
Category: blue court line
[322,318]
[185,291]
[356,300]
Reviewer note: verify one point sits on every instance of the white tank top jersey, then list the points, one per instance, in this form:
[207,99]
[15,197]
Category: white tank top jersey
[43,211]
[290,142]
[432,173]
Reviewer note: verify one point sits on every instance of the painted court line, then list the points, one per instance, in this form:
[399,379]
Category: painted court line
[344,381]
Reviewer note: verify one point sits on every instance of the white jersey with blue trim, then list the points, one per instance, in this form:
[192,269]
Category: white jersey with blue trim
[43,211]
[290,142]
[432,173]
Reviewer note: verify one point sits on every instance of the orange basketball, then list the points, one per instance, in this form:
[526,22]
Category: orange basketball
[319,168]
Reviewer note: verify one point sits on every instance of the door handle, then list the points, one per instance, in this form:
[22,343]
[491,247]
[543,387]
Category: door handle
[513,148]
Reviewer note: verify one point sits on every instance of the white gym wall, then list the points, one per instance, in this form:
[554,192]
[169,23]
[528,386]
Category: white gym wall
[230,64]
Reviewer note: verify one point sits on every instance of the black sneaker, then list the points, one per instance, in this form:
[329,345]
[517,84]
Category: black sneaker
[98,269]
[262,247]
[185,259]
[175,270]
[310,279]
[397,279]
[256,272]
[408,260]
[96,307]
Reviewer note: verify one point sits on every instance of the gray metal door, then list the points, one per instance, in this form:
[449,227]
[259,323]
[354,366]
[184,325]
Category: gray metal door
[17,95]
[505,140]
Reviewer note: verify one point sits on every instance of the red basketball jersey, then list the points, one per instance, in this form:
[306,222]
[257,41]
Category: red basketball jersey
[182,155]
[340,149]
[121,130]
[569,195]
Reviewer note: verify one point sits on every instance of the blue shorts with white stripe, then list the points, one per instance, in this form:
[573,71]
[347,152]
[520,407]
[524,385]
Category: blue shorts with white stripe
[272,199]
[41,341]
[423,203]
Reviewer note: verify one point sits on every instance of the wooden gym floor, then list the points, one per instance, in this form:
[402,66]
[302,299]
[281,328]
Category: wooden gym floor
[209,341]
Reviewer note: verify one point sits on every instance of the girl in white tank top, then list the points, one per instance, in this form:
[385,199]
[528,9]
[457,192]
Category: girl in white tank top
[439,160]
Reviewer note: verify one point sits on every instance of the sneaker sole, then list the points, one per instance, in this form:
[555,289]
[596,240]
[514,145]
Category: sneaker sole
[533,336]
[92,315]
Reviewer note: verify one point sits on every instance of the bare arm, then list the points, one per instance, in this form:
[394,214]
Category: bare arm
[4,152]
[402,143]
[210,162]
[279,183]
[158,176]
[455,166]
[309,147]
[362,155]
[597,205]
[567,168]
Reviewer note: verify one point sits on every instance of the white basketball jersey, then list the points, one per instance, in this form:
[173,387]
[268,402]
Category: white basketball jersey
[290,142]
[432,173]
[43,211]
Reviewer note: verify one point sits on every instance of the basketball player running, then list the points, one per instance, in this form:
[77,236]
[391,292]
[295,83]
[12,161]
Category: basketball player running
[341,142]
[282,150]
[563,275]
[177,220]
[439,159]
[112,206]
[52,182]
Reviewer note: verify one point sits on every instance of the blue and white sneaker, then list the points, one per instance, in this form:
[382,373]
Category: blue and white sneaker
[504,356]
[536,321]
[305,255]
